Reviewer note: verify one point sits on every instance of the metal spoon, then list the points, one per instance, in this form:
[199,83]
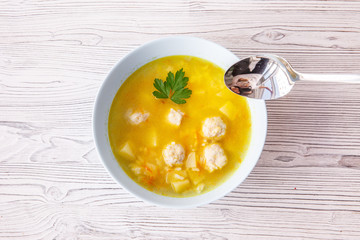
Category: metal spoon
[269,77]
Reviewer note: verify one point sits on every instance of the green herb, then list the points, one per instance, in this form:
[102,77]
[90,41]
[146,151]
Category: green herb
[173,87]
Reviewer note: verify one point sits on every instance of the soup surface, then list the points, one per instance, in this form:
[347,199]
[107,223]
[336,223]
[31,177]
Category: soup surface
[179,150]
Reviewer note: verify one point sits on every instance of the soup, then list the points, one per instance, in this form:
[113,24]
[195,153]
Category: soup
[185,136]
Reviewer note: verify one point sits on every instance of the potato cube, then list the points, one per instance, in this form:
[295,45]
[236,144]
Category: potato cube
[200,187]
[173,176]
[126,151]
[178,177]
[191,160]
[196,177]
[182,173]
[180,186]
[230,110]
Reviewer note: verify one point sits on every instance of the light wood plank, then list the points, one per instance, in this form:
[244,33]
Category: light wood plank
[85,201]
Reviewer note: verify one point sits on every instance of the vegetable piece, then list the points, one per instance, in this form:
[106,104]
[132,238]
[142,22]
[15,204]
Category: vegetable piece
[230,110]
[174,176]
[196,177]
[191,160]
[180,186]
[126,151]
[173,87]
[200,187]
[178,177]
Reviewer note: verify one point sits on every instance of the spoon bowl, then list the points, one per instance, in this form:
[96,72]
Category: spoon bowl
[270,77]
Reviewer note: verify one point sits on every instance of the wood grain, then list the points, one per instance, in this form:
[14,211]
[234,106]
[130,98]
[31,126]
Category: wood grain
[54,56]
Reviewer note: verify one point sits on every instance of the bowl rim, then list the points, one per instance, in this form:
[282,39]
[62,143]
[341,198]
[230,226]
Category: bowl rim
[106,163]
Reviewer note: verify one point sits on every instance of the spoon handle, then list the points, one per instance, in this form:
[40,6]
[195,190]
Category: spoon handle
[345,78]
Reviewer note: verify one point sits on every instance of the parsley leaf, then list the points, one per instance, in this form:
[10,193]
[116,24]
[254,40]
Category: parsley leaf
[160,85]
[173,87]
[178,95]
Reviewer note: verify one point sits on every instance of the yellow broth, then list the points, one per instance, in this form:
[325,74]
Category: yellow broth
[210,98]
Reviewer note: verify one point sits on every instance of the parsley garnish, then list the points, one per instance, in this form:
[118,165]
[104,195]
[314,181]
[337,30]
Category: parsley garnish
[173,87]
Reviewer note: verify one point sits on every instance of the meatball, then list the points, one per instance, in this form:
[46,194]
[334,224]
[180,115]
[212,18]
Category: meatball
[215,157]
[175,117]
[173,154]
[214,127]
[136,118]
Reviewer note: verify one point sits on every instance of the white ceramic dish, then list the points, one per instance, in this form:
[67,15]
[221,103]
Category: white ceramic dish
[124,68]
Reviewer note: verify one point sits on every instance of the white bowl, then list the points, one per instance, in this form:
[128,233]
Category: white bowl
[124,68]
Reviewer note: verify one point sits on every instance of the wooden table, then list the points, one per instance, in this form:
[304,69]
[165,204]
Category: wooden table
[54,55]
